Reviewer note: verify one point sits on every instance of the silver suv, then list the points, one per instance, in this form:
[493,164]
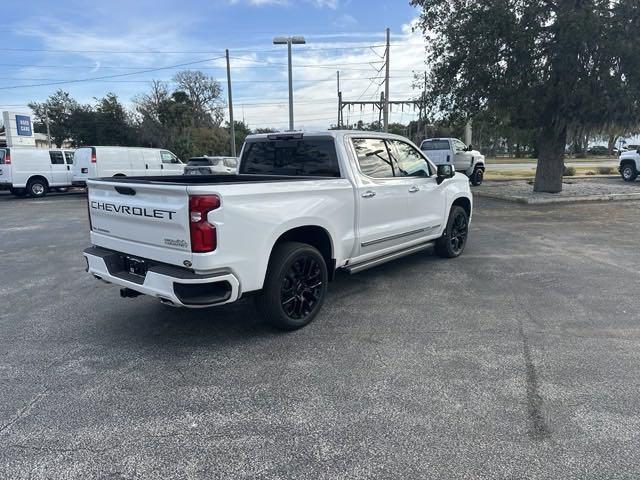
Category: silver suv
[211,166]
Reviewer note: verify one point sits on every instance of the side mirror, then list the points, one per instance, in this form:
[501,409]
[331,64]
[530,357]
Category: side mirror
[444,172]
[638,151]
[469,148]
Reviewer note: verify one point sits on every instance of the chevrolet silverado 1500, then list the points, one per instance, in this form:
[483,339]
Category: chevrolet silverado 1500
[302,206]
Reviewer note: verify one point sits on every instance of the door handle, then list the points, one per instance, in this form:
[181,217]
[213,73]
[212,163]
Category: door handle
[161,166]
[414,189]
[68,167]
[368,194]
[146,165]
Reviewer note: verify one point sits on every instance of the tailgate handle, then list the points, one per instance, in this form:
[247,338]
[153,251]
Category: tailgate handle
[125,190]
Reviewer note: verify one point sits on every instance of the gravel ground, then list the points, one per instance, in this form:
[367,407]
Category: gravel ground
[519,359]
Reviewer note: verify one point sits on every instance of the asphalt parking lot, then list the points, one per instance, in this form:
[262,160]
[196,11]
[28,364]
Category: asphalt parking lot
[520,359]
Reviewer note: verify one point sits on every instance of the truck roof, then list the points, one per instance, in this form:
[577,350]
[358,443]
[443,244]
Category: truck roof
[324,133]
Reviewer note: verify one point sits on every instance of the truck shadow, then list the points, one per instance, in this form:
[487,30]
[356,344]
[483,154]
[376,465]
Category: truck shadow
[241,321]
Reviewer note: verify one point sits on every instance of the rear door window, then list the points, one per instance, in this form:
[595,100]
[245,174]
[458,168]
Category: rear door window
[56,158]
[69,156]
[373,157]
[435,145]
[1,156]
[314,157]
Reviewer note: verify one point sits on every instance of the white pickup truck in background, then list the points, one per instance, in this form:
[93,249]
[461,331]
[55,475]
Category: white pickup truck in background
[446,151]
[302,206]
[629,165]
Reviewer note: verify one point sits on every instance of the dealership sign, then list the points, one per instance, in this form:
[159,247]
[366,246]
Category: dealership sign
[23,125]
[18,128]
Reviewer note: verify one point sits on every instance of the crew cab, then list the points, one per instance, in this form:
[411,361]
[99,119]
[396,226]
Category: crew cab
[465,159]
[302,206]
[629,165]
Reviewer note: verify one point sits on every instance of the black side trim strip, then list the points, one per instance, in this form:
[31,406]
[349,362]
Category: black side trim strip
[399,235]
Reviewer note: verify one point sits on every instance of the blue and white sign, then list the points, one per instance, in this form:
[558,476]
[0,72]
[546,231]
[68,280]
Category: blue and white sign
[23,125]
[18,129]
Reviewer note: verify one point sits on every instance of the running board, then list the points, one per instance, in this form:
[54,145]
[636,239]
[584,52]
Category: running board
[359,267]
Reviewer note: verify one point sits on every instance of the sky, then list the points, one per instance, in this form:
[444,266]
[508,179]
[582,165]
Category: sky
[75,40]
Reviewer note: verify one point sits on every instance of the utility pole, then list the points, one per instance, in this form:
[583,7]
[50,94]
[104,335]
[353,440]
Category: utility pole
[46,119]
[290,41]
[386,87]
[339,100]
[232,126]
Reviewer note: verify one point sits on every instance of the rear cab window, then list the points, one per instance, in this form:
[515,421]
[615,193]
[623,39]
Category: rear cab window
[295,156]
[430,145]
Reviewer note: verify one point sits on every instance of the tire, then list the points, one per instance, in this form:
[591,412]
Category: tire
[628,172]
[295,286]
[37,188]
[18,192]
[477,177]
[452,242]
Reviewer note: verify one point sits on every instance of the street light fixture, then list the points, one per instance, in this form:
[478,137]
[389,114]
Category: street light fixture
[288,41]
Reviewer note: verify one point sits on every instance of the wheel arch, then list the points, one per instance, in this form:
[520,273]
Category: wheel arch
[463,202]
[313,235]
[38,177]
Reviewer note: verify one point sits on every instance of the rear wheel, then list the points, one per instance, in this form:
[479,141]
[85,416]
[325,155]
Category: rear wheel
[477,176]
[295,286]
[37,188]
[628,172]
[452,242]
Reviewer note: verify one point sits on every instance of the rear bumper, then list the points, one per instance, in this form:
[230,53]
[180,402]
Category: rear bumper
[172,285]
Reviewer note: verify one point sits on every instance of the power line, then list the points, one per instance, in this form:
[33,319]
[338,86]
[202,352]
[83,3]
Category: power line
[80,80]
[181,52]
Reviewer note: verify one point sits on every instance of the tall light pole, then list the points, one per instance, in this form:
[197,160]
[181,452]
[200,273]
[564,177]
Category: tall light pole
[288,41]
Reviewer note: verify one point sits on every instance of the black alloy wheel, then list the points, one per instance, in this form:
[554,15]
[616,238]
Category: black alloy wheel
[458,234]
[301,287]
[452,242]
[295,286]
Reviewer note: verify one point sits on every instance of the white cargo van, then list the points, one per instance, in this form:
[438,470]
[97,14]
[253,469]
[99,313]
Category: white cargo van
[34,172]
[96,162]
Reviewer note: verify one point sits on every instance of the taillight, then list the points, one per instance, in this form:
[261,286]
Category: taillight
[7,157]
[89,212]
[93,157]
[203,234]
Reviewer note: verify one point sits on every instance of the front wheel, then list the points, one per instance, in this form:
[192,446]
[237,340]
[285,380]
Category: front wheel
[452,242]
[628,172]
[477,177]
[295,286]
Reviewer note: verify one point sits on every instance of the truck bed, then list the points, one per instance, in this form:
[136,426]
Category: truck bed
[211,179]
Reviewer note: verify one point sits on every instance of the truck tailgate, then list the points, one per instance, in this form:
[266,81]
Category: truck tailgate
[141,219]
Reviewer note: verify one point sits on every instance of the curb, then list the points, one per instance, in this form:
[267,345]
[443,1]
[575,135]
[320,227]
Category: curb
[611,197]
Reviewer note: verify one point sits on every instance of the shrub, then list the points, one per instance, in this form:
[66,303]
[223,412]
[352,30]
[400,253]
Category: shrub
[606,170]
[569,171]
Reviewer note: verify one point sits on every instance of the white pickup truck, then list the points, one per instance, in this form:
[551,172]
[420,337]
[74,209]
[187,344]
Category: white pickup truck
[442,151]
[302,206]
[629,165]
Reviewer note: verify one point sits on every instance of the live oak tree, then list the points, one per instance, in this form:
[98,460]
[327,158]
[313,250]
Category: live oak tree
[547,66]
